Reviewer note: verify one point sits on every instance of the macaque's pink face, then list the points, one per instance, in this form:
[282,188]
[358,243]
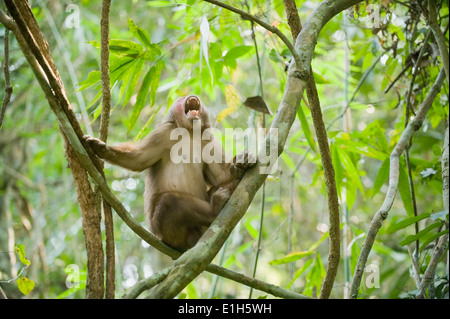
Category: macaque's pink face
[189,108]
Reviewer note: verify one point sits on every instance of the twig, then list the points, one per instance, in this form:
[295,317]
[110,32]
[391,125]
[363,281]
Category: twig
[263,192]
[415,266]
[406,68]
[382,214]
[146,284]
[2,294]
[8,87]
[263,24]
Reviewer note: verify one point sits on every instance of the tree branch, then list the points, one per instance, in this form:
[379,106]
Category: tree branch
[146,284]
[382,214]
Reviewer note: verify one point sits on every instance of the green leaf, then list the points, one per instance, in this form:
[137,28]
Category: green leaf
[291,257]
[382,176]
[320,79]
[306,129]
[92,79]
[159,4]
[360,148]
[299,272]
[124,47]
[140,34]
[406,222]
[431,238]
[21,251]
[315,276]
[294,256]
[142,97]
[403,188]
[25,285]
[251,230]
[155,82]
[145,129]
[339,174]
[412,238]
[350,168]
[235,53]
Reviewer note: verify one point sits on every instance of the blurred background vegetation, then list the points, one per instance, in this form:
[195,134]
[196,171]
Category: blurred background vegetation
[166,49]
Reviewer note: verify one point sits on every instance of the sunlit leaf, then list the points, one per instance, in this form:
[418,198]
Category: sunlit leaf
[124,47]
[142,96]
[291,257]
[404,190]
[382,176]
[232,97]
[25,285]
[306,129]
[235,53]
[139,33]
[406,222]
[299,272]
[21,251]
[431,238]
[412,238]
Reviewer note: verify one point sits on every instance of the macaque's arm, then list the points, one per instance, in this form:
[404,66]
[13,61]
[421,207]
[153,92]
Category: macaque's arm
[135,157]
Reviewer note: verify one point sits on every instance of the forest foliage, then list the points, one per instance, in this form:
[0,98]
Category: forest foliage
[373,64]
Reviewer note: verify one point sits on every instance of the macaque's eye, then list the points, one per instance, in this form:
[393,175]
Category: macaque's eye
[192,106]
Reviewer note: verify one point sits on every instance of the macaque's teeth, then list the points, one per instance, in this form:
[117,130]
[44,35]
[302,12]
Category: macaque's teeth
[193,112]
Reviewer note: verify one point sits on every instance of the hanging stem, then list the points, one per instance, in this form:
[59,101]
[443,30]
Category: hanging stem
[104,124]
[263,193]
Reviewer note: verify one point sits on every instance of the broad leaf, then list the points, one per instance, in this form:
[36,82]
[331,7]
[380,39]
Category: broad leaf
[412,238]
[306,129]
[25,285]
[406,222]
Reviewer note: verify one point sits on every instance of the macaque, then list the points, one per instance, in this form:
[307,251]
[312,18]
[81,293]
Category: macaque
[183,196]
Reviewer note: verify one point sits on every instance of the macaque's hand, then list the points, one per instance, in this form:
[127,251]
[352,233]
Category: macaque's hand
[241,163]
[97,145]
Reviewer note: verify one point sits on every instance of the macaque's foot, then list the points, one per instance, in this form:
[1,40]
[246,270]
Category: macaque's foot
[219,198]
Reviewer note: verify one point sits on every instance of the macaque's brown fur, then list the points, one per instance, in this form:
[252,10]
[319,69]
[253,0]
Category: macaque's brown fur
[181,199]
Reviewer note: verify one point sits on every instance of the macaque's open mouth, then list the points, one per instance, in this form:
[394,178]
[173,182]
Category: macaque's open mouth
[192,106]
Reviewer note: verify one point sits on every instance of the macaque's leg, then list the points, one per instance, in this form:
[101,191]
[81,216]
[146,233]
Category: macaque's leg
[180,219]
